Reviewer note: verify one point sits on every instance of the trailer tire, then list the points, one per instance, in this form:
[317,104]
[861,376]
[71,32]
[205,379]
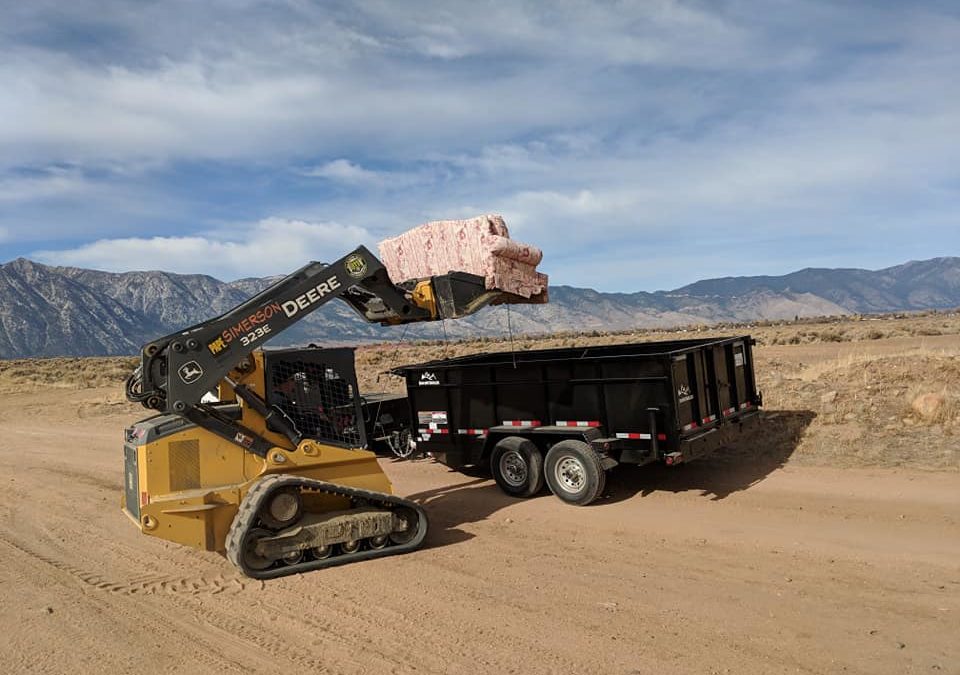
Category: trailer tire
[517,466]
[574,472]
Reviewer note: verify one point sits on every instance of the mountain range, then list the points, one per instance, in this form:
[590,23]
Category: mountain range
[66,311]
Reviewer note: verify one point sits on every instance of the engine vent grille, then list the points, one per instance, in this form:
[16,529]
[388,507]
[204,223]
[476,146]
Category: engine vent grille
[184,465]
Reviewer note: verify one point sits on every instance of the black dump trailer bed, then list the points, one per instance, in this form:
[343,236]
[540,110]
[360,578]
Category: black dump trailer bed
[566,416]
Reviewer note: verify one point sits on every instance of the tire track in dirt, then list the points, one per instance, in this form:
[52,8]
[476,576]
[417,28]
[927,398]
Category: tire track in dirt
[148,585]
[218,622]
[100,592]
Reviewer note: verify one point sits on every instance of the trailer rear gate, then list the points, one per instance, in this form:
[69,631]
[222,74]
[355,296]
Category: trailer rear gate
[631,403]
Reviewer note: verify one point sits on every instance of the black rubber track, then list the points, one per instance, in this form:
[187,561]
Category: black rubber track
[247,518]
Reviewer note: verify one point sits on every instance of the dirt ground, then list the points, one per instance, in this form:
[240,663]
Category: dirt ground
[825,544]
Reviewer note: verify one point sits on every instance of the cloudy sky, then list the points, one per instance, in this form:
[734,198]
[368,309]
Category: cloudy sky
[643,145]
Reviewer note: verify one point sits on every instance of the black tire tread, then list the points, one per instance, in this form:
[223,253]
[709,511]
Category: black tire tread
[534,466]
[247,516]
[591,460]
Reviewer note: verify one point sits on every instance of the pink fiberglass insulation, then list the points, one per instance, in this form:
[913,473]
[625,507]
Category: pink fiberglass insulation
[480,246]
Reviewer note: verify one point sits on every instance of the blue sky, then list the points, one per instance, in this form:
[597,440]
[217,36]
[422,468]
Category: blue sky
[642,145]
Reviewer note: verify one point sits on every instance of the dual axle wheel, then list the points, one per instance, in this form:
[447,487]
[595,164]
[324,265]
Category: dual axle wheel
[572,469]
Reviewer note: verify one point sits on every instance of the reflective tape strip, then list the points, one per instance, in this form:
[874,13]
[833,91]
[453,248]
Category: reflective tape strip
[729,411]
[635,436]
[692,425]
[708,420]
[579,423]
[472,432]
[744,405]
[521,423]
[433,430]
[437,425]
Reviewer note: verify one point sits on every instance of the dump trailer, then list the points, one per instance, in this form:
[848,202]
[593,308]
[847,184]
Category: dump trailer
[567,416]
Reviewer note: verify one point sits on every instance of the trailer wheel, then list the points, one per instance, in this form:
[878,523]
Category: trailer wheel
[574,472]
[517,466]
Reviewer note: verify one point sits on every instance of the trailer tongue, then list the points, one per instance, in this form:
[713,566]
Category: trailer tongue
[566,416]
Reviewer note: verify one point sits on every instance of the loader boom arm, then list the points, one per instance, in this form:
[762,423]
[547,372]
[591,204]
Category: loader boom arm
[177,370]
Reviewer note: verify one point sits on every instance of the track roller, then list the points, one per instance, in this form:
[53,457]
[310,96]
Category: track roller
[273,535]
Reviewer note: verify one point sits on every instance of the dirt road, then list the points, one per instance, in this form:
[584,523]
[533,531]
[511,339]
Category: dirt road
[716,567]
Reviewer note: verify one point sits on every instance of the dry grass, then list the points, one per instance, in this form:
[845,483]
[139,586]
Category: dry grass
[64,373]
[863,406]
[838,391]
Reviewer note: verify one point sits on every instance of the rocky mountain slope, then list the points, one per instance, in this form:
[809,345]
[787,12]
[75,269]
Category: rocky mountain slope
[52,311]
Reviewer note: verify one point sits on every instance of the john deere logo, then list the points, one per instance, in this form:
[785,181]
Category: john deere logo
[356,266]
[190,372]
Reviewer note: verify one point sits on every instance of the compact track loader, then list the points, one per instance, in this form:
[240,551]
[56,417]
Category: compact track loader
[275,474]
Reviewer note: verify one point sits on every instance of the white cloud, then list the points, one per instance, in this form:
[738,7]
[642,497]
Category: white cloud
[53,183]
[655,124]
[344,171]
[196,81]
[270,246]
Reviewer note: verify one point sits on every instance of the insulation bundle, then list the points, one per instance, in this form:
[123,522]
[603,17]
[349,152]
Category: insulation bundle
[480,246]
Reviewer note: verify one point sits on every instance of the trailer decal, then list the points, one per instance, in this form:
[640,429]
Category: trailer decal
[427,378]
[578,423]
[521,423]
[432,416]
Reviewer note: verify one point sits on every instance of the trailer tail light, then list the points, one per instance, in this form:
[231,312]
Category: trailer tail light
[673,458]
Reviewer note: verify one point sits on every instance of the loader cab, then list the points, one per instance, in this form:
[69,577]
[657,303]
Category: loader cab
[317,389]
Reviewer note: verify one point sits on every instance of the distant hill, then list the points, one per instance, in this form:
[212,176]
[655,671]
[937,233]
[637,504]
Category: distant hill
[60,311]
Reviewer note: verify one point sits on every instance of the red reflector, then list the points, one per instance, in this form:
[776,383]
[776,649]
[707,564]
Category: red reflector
[144,499]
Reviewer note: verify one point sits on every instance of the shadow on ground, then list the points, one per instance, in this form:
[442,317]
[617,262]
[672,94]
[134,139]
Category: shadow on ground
[756,455]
